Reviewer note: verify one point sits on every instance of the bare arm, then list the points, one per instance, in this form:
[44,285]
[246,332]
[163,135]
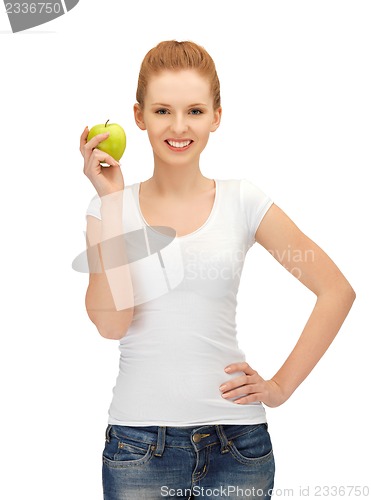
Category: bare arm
[335,296]
[109,298]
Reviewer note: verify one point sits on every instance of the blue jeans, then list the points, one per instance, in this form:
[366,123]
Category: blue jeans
[211,461]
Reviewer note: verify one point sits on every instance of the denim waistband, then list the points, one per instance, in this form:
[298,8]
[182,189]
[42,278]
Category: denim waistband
[184,437]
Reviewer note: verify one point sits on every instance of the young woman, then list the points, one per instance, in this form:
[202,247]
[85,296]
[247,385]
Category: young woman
[187,417]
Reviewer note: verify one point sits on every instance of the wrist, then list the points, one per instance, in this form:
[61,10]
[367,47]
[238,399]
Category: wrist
[112,199]
[281,389]
[111,210]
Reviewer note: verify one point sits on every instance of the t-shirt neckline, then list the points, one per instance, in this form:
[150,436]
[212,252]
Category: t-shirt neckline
[196,231]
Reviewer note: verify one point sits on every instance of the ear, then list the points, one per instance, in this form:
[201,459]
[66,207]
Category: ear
[138,117]
[216,121]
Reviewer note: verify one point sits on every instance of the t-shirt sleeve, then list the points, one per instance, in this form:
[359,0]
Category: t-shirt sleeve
[255,204]
[94,207]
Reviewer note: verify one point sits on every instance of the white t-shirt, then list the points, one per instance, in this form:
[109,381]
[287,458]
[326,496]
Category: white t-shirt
[173,355]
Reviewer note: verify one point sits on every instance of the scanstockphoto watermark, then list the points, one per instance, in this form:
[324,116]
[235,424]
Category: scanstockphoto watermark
[304,491]
[28,14]
[218,492]
[225,492]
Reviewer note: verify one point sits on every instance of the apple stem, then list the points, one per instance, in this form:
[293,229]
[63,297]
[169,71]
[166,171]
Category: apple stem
[106,123]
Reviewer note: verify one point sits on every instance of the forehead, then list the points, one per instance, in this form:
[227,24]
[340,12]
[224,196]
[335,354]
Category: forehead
[184,85]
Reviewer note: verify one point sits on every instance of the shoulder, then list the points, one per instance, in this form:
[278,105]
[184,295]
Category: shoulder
[241,183]
[249,195]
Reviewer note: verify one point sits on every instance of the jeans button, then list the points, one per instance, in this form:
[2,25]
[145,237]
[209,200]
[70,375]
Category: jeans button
[196,438]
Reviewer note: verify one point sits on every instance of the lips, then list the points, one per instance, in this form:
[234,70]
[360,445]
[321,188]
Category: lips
[179,145]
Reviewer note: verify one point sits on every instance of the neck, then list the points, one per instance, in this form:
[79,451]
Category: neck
[178,181]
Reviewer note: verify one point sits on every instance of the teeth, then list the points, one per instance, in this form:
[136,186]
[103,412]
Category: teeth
[182,144]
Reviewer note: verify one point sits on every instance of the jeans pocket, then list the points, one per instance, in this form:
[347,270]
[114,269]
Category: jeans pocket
[253,447]
[122,452]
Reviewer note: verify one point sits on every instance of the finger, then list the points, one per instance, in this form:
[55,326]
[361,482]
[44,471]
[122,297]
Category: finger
[240,367]
[94,141]
[88,146]
[99,156]
[251,398]
[83,138]
[242,381]
[240,391]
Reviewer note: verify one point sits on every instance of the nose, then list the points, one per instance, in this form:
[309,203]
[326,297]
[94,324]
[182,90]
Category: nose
[179,124]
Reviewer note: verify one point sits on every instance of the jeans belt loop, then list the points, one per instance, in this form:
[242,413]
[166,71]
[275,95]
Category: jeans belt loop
[108,433]
[223,438]
[161,435]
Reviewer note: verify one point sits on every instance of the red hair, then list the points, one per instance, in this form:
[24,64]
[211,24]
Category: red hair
[176,56]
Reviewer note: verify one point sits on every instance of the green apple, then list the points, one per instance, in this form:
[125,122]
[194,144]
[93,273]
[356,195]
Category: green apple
[115,144]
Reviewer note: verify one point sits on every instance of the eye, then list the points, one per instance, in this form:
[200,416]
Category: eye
[161,111]
[195,112]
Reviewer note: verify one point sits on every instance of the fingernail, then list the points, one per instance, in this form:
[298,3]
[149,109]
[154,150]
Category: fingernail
[228,369]
[222,387]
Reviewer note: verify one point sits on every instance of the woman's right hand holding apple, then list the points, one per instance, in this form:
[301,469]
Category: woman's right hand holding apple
[106,180]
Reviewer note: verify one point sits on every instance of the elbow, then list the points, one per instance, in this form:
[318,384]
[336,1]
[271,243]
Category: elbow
[351,294]
[115,331]
[350,297]
[112,326]
[341,291]
[112,334]
[347,293]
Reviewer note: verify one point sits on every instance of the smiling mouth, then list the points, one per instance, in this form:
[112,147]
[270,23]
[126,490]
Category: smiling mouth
[179,144]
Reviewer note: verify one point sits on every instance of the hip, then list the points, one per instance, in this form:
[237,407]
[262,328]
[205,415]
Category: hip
[164,459]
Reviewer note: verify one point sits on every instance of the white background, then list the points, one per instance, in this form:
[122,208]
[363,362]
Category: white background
[296,81]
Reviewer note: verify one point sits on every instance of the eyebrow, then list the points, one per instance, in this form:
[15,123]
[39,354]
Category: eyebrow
[169,105]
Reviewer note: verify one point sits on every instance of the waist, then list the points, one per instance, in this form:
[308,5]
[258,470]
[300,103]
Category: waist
[184,437]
